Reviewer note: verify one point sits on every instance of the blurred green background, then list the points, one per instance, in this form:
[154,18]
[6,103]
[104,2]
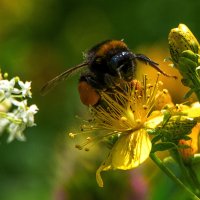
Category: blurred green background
[38,40]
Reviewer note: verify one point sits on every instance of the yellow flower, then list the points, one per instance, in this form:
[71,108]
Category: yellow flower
[124,114]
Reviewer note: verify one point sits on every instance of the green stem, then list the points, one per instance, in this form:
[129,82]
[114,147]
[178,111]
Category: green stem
[159,163]
[17,96]
[6,115]
[194,178]
[186,174]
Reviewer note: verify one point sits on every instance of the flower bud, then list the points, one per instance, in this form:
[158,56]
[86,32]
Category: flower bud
[181,39]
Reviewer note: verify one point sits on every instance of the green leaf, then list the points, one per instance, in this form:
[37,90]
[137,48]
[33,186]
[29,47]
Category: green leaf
[152,131]
[156,139]
[163,146]
[195,159]
[190,55]
[186,66]
[186,137]
[189,93]
[167,116]
[183,146]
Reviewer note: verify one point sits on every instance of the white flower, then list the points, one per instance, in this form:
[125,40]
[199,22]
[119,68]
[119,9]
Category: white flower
[16,131]
[2,95]
[32,110]
[15,113]
[23,117]
[8,87]
[25,113]
[25,88]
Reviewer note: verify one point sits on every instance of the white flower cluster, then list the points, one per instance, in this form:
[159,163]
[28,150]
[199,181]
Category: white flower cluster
[15,114]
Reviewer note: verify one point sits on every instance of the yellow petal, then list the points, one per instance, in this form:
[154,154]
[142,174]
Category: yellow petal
[154,121]
[128,152]
[194,111]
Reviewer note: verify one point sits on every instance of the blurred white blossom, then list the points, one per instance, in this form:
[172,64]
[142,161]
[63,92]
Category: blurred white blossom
[15,113]
[25,88]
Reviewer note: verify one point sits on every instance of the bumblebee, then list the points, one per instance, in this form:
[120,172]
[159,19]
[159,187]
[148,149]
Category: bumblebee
[106,64]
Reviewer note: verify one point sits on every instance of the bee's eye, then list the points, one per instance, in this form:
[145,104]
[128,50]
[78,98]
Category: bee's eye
[120,59]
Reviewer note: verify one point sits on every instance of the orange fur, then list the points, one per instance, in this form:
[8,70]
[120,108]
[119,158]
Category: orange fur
[110,45]
[88,94]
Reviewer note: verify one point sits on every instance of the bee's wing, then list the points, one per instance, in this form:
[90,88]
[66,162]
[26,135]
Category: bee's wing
[61,77]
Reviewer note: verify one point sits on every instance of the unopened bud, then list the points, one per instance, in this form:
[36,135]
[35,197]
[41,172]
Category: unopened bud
[181,39]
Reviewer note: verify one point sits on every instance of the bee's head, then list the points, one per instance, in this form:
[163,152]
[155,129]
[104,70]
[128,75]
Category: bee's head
[122,63]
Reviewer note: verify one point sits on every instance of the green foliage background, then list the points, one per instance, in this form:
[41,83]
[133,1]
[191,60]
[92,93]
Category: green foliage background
[38,40]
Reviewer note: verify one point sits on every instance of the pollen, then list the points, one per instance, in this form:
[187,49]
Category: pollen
[86,149]
[165,91]
[88,138]
[123,119]
[78,146]
[72,135]
[149,85]
[160,83]
[138,121]
[145,107]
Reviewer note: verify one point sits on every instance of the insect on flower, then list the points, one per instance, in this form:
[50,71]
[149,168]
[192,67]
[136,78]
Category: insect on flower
[123,116]
[107,63]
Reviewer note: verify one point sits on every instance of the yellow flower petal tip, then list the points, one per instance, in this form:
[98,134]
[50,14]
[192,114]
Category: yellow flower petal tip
[194,111]
[128,152]
[155,121]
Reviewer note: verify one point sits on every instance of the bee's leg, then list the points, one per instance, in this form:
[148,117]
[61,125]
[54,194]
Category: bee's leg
[119,69]
[155,65]
[146,60]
